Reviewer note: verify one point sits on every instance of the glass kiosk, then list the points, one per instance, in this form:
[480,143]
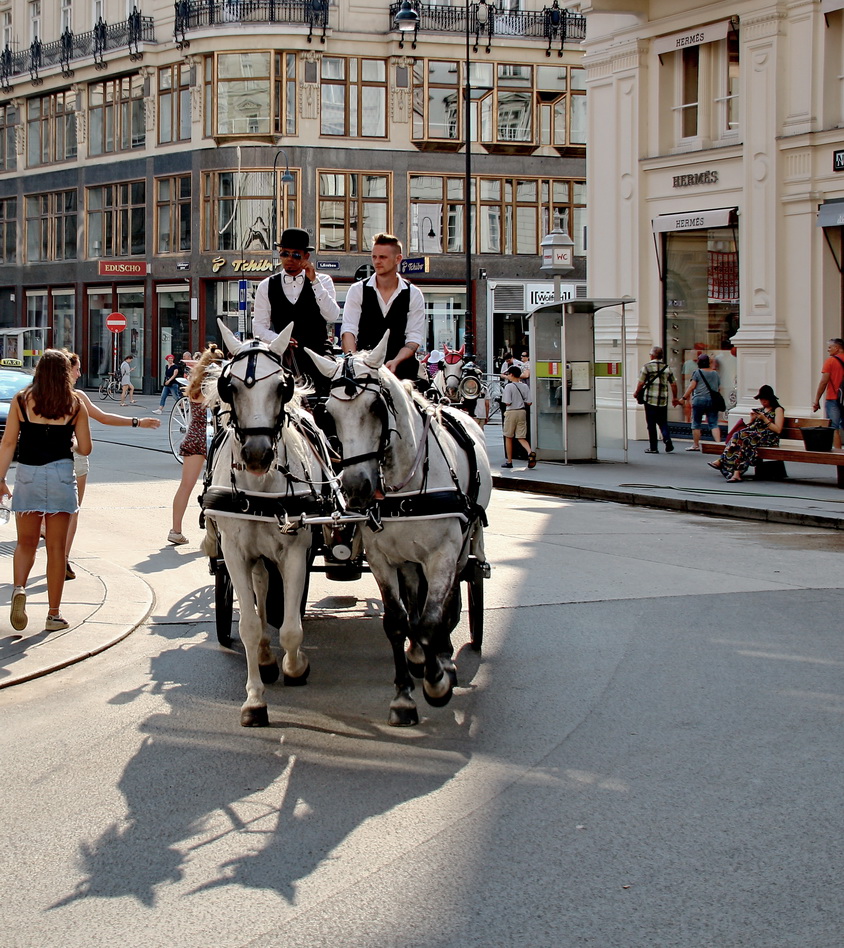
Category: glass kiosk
[563,416]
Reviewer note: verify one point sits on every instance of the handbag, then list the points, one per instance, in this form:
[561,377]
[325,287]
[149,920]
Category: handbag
[718,402]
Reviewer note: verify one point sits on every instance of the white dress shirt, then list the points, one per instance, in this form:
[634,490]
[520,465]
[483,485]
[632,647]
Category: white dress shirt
[415,329]
[326,297]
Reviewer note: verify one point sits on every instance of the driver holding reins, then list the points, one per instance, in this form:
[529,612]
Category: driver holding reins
[386,301]
[302,296]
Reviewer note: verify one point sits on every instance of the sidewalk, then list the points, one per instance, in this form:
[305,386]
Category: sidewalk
[105,603]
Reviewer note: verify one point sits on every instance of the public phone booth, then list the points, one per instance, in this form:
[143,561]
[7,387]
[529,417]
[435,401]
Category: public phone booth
[24,344]
[563,379]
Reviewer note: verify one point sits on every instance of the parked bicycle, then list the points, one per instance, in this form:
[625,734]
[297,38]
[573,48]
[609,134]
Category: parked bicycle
[110,386]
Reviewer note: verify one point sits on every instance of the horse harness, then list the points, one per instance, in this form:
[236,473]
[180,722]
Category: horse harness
[422,504]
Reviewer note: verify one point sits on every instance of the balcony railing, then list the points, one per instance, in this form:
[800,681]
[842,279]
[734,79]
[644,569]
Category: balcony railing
[196,14]
[551,24]
[75,46]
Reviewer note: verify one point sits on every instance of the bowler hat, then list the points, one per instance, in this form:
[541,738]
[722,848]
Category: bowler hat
[295,238]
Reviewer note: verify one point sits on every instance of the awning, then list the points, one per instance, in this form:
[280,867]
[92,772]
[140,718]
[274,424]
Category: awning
[695,220]
[830,6]
[710,33]
[831,213]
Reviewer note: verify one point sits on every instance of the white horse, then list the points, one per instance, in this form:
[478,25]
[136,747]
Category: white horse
[447,379]
[422,473]
[269,468]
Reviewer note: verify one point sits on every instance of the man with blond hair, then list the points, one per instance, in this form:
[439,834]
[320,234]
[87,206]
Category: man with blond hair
[386,302]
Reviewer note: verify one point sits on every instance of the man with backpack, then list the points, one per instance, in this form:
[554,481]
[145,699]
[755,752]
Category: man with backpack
[654,383]
[829,387]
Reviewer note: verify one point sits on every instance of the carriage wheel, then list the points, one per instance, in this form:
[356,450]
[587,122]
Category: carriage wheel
[179,420]
[475,603]
[223,605]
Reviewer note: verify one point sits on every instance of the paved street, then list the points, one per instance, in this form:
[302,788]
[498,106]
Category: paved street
[647,753]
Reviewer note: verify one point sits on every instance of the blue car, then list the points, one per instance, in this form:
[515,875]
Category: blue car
[12,381]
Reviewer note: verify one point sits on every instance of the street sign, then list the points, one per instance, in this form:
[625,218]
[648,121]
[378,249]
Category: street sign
[364,271]
[116,322]
[241,298]
[328,265]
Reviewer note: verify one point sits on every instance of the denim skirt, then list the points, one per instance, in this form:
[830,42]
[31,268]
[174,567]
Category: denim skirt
[45,488]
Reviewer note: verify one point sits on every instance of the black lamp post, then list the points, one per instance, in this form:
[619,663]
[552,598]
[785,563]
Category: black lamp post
[286,178]
[407,21]
[431,233]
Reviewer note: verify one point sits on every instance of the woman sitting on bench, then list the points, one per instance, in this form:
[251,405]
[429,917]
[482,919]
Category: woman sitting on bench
[764,429]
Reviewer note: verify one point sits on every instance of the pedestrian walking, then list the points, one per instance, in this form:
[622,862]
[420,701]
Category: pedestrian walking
[194,447]
[126,385]
[702,384]
[45,419]
[654,384]
[175,370]
[832,375]
[515,397]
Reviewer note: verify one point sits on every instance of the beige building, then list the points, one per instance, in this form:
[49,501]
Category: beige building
[150,155]
[716,176]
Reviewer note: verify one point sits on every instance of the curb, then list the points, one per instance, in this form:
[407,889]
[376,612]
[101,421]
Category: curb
[714,509]
[120,591]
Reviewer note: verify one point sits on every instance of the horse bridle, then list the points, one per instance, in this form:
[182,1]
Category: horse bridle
[382,406]
[225,388]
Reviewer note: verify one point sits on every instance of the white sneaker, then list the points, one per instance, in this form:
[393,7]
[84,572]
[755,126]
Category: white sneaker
[19,617]
[157,411]
[177,538]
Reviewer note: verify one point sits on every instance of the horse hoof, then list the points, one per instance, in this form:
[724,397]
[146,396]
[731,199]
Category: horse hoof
[475,646]
[417,669]
[254,717]
[403,716]
[269,673]
[440,701]
[302,679]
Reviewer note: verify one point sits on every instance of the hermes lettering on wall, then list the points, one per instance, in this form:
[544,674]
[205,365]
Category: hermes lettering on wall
[689,180]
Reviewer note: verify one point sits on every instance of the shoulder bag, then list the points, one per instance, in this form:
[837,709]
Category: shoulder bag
[718,402]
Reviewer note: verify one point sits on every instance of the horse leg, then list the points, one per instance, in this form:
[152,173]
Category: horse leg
[295,663]
[403,711]
[413,588]
[253,712]
[267,663]
[433,633]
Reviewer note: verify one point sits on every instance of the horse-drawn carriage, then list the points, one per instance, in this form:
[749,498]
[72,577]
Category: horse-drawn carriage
[411,490]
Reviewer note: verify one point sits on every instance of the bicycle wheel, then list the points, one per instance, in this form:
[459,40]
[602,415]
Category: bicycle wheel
[179,420]
[104,386]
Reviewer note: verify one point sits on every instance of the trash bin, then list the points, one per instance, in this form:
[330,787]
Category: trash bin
[818,439]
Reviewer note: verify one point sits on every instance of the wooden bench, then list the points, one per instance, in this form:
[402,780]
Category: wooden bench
[795,451]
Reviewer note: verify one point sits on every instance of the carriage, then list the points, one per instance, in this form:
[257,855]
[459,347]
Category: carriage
[276,497]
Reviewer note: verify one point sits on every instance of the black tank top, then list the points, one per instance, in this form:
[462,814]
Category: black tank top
[40,444]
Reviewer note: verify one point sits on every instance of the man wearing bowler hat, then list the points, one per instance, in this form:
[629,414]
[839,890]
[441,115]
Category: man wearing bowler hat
[301,296]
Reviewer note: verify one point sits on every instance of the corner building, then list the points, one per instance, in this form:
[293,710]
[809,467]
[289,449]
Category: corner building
[149,158]
[715,169]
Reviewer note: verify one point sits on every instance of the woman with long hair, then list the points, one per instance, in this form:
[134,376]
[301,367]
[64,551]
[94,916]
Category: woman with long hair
[194,446]
[47,422]
[80,462]
[766,424]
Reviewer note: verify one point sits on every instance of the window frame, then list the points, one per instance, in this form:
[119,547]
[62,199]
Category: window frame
[281,87]
[53,220]
[123,103]
[179,208]
[8,230]
[353,96]
[53,147]
[357,220]
[175,101]
[120,218]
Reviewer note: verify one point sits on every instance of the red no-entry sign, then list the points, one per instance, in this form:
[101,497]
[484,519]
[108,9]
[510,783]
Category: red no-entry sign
[116,322]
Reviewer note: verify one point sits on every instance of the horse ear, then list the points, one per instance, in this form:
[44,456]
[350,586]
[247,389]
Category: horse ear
[375,358]
[230,341]
[282,340]
[461,350]
[446,350]
[325,365]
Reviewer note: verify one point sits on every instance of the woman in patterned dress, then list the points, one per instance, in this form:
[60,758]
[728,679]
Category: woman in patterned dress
[194,447]
[763,432]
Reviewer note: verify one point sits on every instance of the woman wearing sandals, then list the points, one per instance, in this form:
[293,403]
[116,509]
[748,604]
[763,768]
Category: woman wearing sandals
[702,384]
[45,420]
[763,431]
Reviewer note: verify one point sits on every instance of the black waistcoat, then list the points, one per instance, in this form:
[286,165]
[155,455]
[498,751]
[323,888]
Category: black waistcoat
[309,328]
[373,324]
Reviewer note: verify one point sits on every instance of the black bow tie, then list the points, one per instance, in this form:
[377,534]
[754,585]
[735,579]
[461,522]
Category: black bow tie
[299,278]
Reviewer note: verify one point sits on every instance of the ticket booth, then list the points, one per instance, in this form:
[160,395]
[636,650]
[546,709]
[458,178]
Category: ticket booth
[563,372]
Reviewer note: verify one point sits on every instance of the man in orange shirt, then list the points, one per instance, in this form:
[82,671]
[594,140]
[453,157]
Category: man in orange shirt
[832,375]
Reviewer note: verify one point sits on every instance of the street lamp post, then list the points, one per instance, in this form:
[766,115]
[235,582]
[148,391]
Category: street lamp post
[407,21]
[286,178]
[430,234]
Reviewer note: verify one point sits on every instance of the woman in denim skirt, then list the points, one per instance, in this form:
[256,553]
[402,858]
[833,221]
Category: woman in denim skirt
[46,422]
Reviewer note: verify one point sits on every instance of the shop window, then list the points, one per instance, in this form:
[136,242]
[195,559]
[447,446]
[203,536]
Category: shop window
[51,223]
[244,210]
[63,318]
[8,124]
[353,97]
[116,115]
[117,220]
[173,214]
[251,94]
[174,109]
[51,128]
[353,208]
[8,230]
[510,215]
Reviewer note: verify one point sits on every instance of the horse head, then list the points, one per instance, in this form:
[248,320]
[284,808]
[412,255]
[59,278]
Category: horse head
[451,371]
[359,403]
[256,387]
